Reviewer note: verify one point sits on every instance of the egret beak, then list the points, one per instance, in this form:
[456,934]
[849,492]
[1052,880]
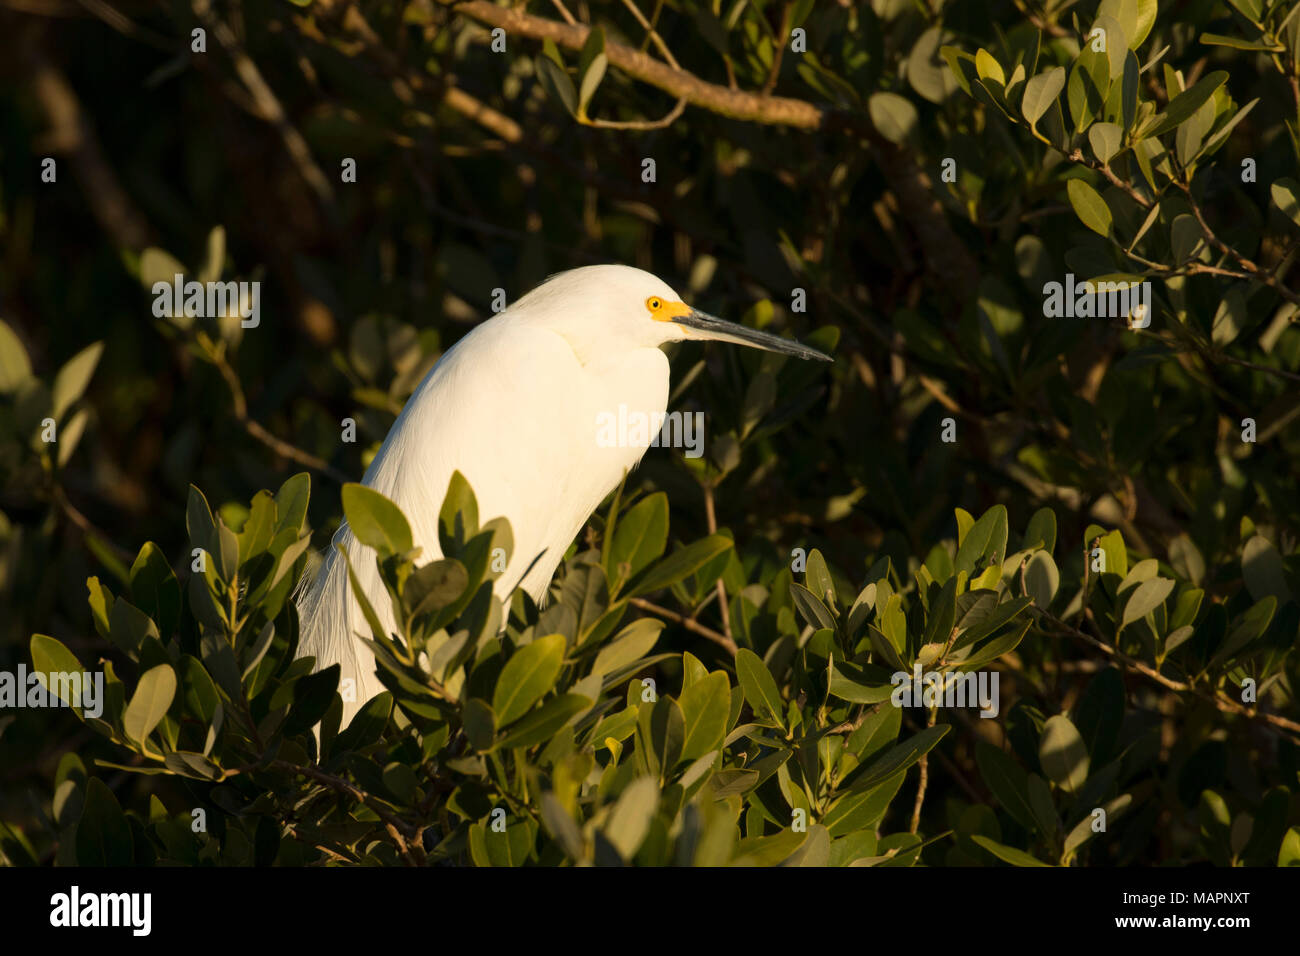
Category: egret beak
[721,330]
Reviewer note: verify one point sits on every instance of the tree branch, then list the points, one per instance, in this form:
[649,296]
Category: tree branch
[737,104]
[687,622]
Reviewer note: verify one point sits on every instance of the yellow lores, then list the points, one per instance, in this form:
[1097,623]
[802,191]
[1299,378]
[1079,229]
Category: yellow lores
[662,311]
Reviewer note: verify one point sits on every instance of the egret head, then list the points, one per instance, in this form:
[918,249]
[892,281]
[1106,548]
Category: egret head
[600,308]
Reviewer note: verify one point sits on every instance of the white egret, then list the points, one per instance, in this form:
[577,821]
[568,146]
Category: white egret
[514,407]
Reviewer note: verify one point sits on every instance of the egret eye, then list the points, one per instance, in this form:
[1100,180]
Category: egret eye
[654,304]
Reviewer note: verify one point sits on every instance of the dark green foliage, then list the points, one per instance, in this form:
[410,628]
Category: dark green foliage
[1103,512]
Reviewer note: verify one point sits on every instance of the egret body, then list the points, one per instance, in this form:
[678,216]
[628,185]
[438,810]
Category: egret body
[514,407]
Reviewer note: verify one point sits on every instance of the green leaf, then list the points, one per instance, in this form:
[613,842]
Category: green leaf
[555,80]
[639,538]
[256,649]
[1002,644]
[288,558]
[817,578]
[434,586]
[1125,14]
[154,588]
[759,687]
[628,646]
[1008,781]
[962,65]
[312,696]
[1040,801]
[1040,92]
[849,682]
[813,611]
[291,503]
[1112,545]
[1148,596]
[542,723]
[367,726]
[1218,137]
[988,68]
[592,63]
[1100,713]
[1286,196]
[1089,207]
[987,538]
[480,724]
[1182,106]
[1088,87]
[71,435]
[227,552]
[1041,579]
[1288,853]
[201,697]
[458,518]
[1063,754]
[71,382]
[1240,43]
[1263,570]
[1146,18]
[15,367]
[529,673]
[149,704]
[629,820]
[1252,10]
[663,730]
[1083,831]
[706,709]
[590,81]
[893,116]
[198,522]
[681,563]
[1231,316]
[897,759]
[259,528]
[1248,627]
[375,520]
[1105,139]
[128,626]
[1008,854]
[508,849]
[49,656]
[942,616]
[103,832]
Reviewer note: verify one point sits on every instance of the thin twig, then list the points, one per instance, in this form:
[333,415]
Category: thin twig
[1218,700]
[1263,275]
[783,36]
[924,781]
[653,35]
[710,516]
[687,622]
[664,121]
[88,528]
[268,104]
[1076,156]
[255,428]
[406,836]
[737,104]
[564,12]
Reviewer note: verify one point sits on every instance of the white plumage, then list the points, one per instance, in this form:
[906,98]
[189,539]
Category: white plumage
[514,406]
